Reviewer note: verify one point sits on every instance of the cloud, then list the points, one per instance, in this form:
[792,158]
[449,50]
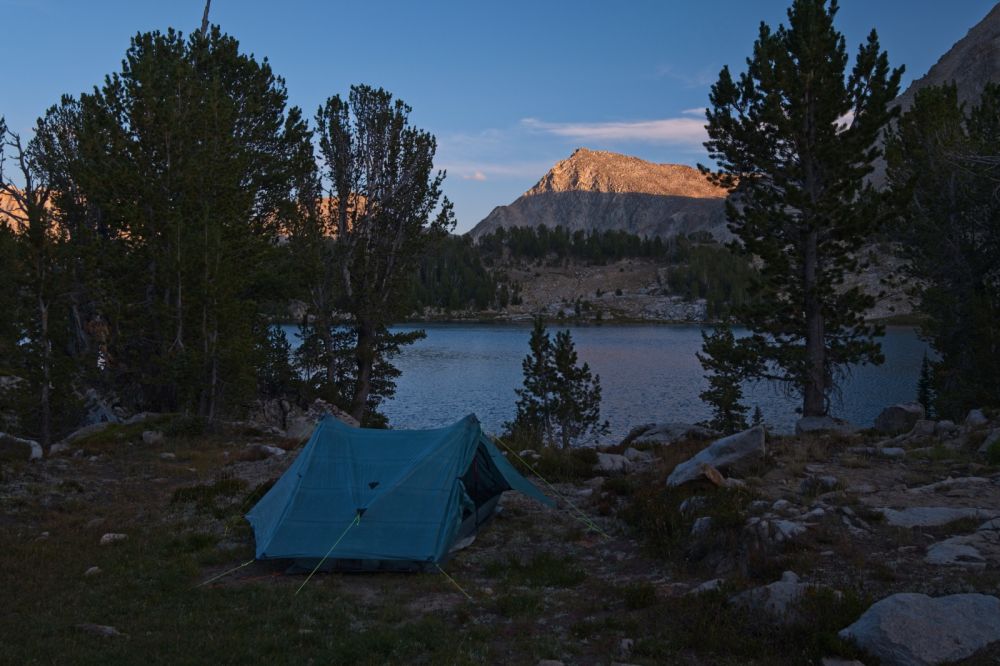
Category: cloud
[700,79]
[687,131]
[697,111]
[475,175]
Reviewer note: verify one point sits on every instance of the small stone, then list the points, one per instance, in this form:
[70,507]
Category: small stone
[101,630]
[112,537]
[43,536]
[976,419]
[782,506]
[708,586]
[701,526]
[153,437]
[625,647]
[92,571]
[612,463]
[166,455]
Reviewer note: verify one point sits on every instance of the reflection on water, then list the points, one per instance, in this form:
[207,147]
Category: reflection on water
[648,373]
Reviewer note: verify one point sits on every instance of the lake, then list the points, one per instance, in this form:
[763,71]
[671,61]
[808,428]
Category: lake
[648,373]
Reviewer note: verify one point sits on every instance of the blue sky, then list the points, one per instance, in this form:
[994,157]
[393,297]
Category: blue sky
[508,88]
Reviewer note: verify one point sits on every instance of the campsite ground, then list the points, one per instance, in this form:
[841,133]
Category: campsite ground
[537,583]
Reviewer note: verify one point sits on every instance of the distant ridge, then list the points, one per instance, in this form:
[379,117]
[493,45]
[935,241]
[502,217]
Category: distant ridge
[971,63]
[596,190]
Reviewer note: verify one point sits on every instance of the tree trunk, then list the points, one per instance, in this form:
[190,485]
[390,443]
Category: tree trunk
[814,398]
[364,353]
[46,408]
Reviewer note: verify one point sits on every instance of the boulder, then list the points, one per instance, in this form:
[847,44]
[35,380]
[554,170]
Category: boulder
[923,428]
[911,629]
[101,630]
[701,526]
[933,516]
[957,552]
[899,418]
[777,599]
[667,433]
[639,457]
[817,424]
[92,571]
[16,448]
[976,419]
[991,439]
[945,428]
[64,444]
[725,454]
[816,484]
[300,425]
[612,463]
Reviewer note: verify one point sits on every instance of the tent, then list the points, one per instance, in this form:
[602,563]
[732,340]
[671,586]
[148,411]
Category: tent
[364,499]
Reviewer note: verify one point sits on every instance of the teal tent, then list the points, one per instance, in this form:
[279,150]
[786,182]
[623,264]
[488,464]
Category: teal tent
[357,498]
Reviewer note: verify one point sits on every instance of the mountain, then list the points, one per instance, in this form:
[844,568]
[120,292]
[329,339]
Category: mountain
[596,190]
[971,63]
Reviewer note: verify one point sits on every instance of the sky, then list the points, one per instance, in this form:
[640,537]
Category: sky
[508,88]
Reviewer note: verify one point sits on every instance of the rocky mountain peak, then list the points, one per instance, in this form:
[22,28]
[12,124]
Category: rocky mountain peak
[603,171]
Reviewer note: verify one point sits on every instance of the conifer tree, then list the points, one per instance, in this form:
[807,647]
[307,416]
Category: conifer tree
[560,400]
[794,138]
[728,365]
[942,164]
[382,204]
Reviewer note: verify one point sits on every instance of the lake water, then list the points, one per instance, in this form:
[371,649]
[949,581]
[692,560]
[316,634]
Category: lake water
[648,373]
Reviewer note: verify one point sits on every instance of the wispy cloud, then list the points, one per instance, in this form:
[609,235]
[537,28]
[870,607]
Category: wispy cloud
[475,175]
[698,79]
[685,131]
[697,111]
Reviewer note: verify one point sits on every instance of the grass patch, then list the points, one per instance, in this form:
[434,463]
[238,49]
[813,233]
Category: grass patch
[723,632]
[639,595]
[542,570]
[206,497]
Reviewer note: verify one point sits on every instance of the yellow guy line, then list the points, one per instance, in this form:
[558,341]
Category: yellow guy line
[586,519]
[357,520]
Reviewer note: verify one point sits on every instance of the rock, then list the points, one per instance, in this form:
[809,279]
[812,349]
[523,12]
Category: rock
[701,526]
[989,525]
[976,419]
[112,537]
[933,516]
[882,451]
[899,418]
[594,483]
[301,425]
[167,455]
[639,457]
[692,504]
[817,424]
[786,530]
[625,647]
[991,440]
[726,453]
[612,463]
[100,409]
[948,484]
[837,661]
[914,629]
[92,571]
[777,599]
[945,428]
[923,428]
[153,437]
[712,474]
[140,417]
[816,485]
[76,435]
[101,630]
[956,551]
[16,448]
[667,433]
[708,586]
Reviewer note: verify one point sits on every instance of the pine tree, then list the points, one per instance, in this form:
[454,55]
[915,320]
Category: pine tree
[943,168]
[560,400]
[794,138]
[728,365]
[925,386]
[381,207]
